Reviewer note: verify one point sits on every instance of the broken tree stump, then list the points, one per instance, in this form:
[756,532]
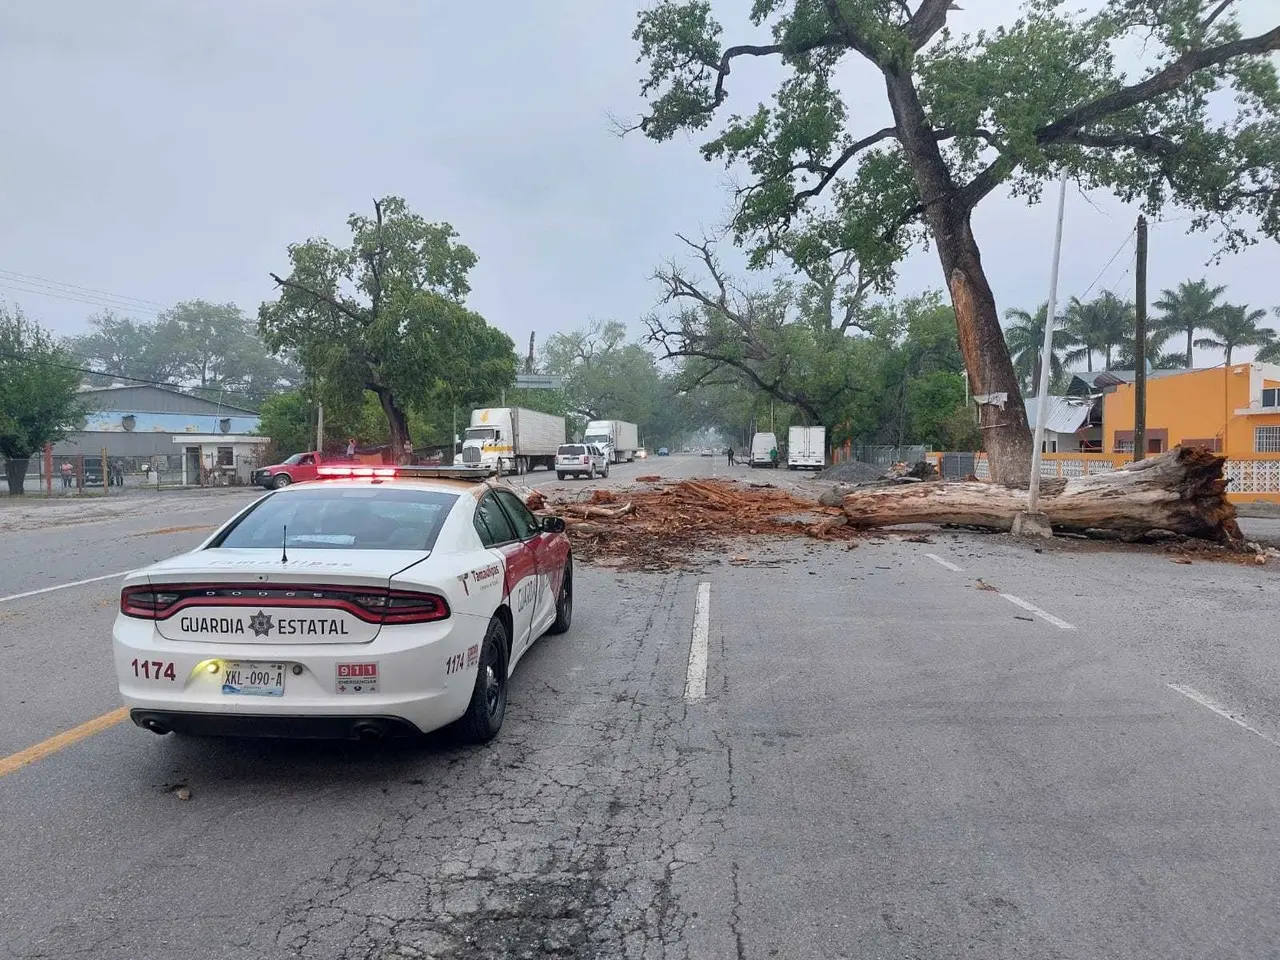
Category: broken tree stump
[1183,491]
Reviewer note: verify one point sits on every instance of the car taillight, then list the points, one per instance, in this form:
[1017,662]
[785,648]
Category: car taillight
[146,603]
[586,459]
[406,606]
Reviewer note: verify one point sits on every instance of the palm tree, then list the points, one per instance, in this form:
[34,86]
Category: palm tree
[1157,357]
[1025,338]
[1098,326]
[1237,326]
[1271,352]
[1191,307]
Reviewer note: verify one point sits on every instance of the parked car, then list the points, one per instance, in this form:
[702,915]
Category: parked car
[581,460]
[664,452]
[707,452]
[350,607]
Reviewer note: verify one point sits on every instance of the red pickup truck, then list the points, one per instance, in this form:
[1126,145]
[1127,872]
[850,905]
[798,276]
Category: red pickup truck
[299,467]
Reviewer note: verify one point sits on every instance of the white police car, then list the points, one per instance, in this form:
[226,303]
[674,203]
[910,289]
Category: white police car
[370,602]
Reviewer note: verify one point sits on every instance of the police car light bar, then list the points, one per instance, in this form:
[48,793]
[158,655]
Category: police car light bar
[478,472]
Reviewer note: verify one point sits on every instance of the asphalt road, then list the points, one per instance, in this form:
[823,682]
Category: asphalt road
[963,747]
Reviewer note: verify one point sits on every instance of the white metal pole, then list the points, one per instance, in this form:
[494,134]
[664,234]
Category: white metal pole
[1046,353]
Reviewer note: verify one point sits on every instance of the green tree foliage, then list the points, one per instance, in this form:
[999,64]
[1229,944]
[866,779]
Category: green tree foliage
[209,348]
[1025,337]
[1100,326]
[39,396]
[387,314]
[1008,108]
[1188,310]
[605,376]
[1237,326]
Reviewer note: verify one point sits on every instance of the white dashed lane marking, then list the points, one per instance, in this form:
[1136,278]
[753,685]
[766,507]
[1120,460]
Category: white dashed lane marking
[1208,703]
[63,586]
[1043,615]
[946,563]
[695,683]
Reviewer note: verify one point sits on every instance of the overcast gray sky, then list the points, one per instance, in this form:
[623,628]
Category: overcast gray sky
[167,150]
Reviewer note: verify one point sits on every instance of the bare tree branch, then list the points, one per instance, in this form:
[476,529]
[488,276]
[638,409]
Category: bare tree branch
[375,265]
[929,18]
[1163,81]
[1217,12]
[829,173]
[323,298]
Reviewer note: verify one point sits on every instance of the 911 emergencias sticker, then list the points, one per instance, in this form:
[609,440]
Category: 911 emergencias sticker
[357,678]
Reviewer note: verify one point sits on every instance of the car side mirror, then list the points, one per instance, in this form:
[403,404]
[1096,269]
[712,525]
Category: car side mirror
[552,525]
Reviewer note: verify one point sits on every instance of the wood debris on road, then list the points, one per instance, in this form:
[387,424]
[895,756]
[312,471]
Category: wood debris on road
[660,526]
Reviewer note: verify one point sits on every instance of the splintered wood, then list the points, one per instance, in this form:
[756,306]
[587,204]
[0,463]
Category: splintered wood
[659,527]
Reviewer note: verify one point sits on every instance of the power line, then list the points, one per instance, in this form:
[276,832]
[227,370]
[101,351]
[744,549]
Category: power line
[77,289]
[1103,271]
[106,304]
[85,370]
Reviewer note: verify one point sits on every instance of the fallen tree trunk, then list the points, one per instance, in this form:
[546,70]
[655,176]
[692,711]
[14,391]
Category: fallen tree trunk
[1182,490]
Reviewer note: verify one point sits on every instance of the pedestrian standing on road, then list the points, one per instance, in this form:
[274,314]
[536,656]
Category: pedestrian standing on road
[351,446]
[731,456]
[773,456]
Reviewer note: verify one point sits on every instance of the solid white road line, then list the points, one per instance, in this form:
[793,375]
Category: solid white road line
[64,586]
[1032,608]
[1193,694]
[946,563]
[695,683]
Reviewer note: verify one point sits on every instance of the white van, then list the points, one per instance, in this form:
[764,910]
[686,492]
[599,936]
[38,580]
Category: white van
[761,445]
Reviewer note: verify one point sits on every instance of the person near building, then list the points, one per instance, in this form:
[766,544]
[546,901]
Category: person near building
[66,475]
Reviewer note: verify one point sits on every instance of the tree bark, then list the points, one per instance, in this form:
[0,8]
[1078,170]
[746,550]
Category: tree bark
[1183,491]
[15,474]
[397,423]
[1005,432]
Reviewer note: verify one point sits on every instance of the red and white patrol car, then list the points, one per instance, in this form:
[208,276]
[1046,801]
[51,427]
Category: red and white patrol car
[370,602]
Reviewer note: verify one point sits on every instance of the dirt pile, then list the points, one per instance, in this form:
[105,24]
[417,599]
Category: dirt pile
[660,527]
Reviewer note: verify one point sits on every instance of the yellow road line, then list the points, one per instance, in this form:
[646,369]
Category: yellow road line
[61,741]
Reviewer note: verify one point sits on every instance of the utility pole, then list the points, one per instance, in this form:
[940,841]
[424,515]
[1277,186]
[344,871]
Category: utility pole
[1030,522]
[319,427]
[1140,345]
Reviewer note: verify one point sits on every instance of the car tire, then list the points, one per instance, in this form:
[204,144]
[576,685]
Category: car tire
[564,602]
[592,474]
[606,472]
[488,705]
[560,476]
[281,481]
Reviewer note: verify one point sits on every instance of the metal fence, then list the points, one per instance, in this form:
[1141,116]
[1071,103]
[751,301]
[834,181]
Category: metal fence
[884,455]
[83,474]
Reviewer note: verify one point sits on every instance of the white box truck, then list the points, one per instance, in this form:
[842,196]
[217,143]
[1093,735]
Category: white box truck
[806,448]
[511,439]
[618,438]
[762,444]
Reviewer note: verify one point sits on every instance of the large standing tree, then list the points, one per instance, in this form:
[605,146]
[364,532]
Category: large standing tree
[1007,108]
[387,314]
[39,394]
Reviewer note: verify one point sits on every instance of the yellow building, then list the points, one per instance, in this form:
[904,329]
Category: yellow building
[1234,410]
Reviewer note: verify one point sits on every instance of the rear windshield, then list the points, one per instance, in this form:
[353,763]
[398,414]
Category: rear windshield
[572,450]
[338,518]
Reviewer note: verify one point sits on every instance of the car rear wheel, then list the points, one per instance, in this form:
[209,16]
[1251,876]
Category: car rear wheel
[591,474]
[281,480]
[564,602]
[606,471]
[488,705]
[560,476]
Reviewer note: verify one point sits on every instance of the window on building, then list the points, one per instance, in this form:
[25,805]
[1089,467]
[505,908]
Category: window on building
[1271,397]
[226,457]
[1266,439]
[1124,446]
[1048,446]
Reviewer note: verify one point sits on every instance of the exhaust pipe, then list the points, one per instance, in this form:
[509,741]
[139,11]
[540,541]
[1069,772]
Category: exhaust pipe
[368,732]
[156,726]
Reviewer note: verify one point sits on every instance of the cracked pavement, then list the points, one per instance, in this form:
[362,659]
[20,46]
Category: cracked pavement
[889,763]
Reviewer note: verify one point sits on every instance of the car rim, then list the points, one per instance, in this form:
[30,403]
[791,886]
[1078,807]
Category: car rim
[492,680]
[566,595]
